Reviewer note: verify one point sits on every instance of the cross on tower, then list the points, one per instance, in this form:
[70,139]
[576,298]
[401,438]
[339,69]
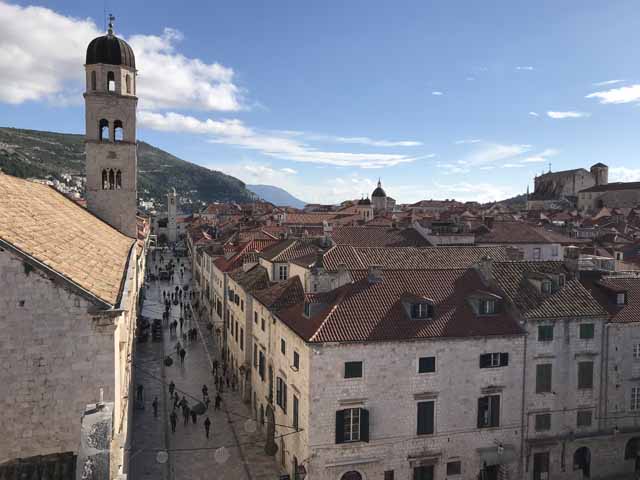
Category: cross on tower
[111,20]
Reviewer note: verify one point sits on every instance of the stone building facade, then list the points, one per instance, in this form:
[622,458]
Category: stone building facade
[612,195]
[565,185]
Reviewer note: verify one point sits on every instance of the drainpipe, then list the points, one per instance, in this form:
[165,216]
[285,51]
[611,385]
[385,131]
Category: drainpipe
[524,428]
[603,408]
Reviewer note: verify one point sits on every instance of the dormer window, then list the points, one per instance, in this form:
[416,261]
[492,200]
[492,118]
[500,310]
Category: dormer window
[487,306]
[621,298]
[307,309]
[546,286]
[421,310]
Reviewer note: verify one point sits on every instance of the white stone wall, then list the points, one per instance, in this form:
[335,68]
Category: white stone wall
[54,358]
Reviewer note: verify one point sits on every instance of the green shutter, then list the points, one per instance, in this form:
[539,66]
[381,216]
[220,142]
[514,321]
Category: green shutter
[364,425]
[340,426]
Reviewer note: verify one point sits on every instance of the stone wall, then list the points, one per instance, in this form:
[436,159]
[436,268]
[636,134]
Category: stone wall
[54,358]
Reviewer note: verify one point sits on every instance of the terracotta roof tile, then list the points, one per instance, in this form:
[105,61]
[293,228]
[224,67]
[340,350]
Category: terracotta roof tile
[54,230]
[378,237]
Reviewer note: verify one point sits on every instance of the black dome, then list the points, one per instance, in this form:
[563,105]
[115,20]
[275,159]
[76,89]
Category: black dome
[379,192]
[364,201]
[111,50]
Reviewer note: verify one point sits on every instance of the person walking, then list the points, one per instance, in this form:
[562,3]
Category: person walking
[194,417]
[176,400]
[207,426]
[183,352]
[174,419]
[185,414]
[215,367]
[178,348]
[155,407]
[181,323]
[172,388]
[217,402]
[205,393]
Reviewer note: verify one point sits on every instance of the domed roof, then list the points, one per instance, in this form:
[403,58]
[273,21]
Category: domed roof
[379,192]
[111,50]
[364,201]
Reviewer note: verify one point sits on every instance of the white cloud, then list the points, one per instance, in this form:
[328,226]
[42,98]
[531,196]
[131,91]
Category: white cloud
[290,171]
[42,54]
[618,95]
[607,82]
[561,115]
[375,143]
[525,67]
[624,174]
[437,93]
[541,157]
[513,165]
[234,132]
[467,141]
[534,114]
[493,152]
[479,192]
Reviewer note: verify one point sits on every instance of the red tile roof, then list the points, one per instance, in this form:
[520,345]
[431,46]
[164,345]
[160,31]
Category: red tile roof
[519,232]
[378,237]
[605,291]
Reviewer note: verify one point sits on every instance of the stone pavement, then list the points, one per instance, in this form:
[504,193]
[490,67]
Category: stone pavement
[190,454]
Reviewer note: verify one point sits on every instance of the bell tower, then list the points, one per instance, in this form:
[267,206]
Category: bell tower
[110,138]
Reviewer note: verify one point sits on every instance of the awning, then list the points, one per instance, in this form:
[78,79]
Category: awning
[497,455]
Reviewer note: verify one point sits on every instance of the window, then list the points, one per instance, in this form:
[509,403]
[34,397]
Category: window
[494,360]
[585,375]
[128,83]
[489,411]
[255,355]
[543,378]
[555,250]
[262,324]
[118,180]
[111,82]
[241,338]
[543,422]
[261,365]
[621,298]
[353,370]
[426,412]
[307,309]
[586,331]
[545,333]
[537,253]
[352,425]
[103,130]
[283,346]
[584,418]
[281,394]
[487,307]
[93,80]
[454,468]
[255,317]
[421,310]
[424,472]
[118,131]
[237,299]
[296,412]
[426,364]
[636,351]
[635,398]
[105,180]
[283,272]
[389,475]
[546,286]
[296,360]
[242,305]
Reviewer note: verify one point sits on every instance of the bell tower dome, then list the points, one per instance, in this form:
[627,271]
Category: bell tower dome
[110,131]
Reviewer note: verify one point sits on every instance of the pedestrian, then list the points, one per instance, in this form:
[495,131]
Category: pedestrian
[215,367]
[176,400]
[178,348]
[155,407]
[172,387]
[174,419]
[140,391]
[215,381]
[194,417]
[207,426]
[181,322]
[183,352]
[207,402]
[217,402]
[185,414]
[205,392]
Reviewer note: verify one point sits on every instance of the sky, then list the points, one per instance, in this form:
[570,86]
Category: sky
[439,99]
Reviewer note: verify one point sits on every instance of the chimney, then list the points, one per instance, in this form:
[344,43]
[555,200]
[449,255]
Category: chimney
[375,274]
[485,268]
[572,260]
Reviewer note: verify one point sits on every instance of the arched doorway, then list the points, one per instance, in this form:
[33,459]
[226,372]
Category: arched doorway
[632,452]
[352,475]
[582,461]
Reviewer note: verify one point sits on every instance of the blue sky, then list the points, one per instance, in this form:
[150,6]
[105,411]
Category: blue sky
[441,99]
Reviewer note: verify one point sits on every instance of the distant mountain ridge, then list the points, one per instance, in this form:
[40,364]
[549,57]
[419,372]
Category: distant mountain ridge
[276,195]
[39,154]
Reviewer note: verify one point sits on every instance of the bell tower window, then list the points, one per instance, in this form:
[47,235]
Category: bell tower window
[118,132]
[112,180]
[111,82]
[128,83]
[103,130]
[118,180]
[105,179]
[93,80]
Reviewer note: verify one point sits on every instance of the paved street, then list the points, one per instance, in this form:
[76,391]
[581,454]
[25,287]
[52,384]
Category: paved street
[190,454]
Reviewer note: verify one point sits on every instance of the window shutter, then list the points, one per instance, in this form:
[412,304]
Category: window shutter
[364,425]
[485,360]
[340,426]
[425,418]
[495,410]
[504,359]
[483,405]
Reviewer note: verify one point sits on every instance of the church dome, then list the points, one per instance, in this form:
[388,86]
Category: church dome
[364,201]
[111,50]
[379,192]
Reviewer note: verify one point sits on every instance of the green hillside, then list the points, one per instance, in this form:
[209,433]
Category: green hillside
[31,153]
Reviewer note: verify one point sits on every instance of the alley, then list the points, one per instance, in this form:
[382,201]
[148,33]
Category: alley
[235,449]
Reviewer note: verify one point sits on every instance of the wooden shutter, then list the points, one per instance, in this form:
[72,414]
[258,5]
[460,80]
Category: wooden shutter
[495,410]
[485,360]
[364,425]
[340,426]
[504,359]
[483,405]
[425,418]
[543,378]
[585,375]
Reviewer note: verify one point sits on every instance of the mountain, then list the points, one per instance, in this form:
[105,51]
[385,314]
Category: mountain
[276,195]
[517,202]
[32,153]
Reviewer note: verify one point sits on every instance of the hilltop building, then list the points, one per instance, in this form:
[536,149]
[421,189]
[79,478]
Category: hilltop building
[555,188]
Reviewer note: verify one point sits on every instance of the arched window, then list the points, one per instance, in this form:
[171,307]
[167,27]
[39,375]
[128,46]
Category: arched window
[111,82]
[112,180]
[128,82]
[118,131]
[105,179]
[582,461]
[352,475]
[103,130]
[93,80]
[118,180]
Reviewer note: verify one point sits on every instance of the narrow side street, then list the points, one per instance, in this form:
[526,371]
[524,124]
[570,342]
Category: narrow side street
[235,447]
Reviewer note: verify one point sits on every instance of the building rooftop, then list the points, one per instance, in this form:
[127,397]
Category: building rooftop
[610,187]
[53,230]
[371,236]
